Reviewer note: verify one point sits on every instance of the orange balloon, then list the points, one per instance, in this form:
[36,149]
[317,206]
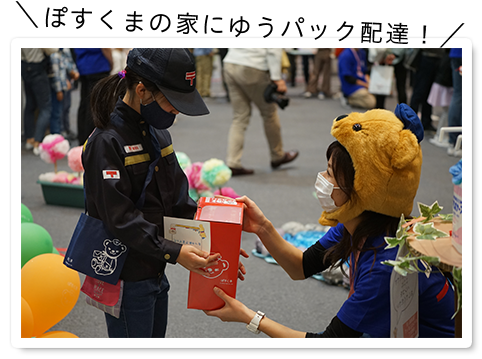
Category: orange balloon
[51,290]
[57,334]
[27,320]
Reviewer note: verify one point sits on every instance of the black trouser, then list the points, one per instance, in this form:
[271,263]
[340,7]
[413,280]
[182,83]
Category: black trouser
[423,80]
[85,123]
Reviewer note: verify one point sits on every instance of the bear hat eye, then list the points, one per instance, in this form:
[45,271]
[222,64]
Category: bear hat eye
[357,127]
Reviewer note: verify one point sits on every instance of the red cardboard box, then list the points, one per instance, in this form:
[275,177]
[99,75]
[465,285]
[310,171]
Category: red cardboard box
[226,217]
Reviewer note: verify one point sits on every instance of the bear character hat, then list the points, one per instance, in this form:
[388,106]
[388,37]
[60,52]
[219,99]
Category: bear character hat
[387,157]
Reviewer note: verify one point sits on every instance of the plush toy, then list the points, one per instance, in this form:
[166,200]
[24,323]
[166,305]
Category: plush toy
[207,179]
[53,148]
[227,192]
[193,174]
[183,160]
[387,157]
[74,157]
[215,173]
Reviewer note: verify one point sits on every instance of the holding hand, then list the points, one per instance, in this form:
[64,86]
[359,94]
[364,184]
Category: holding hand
[241,268]
[233,310]
[194,259]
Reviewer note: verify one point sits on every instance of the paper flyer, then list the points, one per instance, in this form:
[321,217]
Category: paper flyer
[186,231]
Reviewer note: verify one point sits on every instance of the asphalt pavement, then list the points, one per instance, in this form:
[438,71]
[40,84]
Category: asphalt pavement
[284,195]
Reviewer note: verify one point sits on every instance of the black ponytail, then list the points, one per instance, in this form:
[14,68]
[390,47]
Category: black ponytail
[107,91]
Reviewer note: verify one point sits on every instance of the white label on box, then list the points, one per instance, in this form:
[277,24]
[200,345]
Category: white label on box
[187,231]
[404,303]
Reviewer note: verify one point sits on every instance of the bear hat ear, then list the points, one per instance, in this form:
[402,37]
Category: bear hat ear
[406,151]
[410,120]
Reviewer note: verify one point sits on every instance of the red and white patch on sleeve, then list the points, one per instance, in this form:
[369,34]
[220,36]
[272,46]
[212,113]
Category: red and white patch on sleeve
[111,174]
[133,148]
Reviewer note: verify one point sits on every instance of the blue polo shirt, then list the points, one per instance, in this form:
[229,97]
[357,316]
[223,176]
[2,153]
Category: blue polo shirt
[91,61]
[455,53]
[367,310]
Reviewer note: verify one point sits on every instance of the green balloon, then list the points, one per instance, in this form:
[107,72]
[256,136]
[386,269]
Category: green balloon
[35,241]
[26,214]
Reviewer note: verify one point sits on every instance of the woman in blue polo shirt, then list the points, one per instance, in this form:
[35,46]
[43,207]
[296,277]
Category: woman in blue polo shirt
[369,183]
[354,79]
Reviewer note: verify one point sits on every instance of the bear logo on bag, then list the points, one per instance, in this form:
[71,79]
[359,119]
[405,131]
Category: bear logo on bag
[105,262]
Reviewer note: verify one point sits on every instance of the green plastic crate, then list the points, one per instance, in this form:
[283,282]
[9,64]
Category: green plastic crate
[63,194]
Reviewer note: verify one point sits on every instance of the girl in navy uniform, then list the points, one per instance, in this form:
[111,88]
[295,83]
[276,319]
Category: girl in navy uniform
[131,148]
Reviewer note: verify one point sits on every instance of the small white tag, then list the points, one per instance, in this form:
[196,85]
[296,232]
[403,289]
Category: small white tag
[133,148]
[111,174]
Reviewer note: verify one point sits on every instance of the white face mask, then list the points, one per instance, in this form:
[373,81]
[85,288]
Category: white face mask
[324,189]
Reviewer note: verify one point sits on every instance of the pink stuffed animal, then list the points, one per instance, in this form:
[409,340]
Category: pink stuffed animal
[53,148]
[227,192]
[193,174]
[74,157]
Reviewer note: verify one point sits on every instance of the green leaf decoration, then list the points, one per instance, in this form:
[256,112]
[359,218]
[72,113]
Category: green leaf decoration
[429,211]
[447,217]
[392,242]
[430,260]
[428,231]
[401,232]
[409,264]
[457,274]
[401,235]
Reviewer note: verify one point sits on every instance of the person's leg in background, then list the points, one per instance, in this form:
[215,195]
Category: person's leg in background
[455,109]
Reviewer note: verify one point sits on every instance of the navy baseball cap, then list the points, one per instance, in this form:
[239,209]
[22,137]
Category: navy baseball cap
[174,73]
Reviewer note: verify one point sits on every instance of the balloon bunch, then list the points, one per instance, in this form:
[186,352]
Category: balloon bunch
[206,178]
[49,289]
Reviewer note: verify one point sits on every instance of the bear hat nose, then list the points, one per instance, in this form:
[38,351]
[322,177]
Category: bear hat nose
[341,117]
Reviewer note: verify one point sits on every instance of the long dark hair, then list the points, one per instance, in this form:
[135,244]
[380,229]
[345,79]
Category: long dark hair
[106,92]
[372,224]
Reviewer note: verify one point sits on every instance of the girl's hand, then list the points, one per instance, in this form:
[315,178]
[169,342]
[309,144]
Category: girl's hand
[233,310]
[194,259]
[241,268]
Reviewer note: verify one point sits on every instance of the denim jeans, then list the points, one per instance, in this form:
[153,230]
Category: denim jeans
[37,96]
[143,311]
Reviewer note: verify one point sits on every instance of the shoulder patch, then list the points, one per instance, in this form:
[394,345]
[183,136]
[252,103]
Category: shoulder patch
[111,174]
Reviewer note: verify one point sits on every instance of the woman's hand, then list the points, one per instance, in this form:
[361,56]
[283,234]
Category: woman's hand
[194,259]
[254,219]
[233,310]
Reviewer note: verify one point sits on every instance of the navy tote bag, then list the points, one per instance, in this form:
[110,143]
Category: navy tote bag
[93,250]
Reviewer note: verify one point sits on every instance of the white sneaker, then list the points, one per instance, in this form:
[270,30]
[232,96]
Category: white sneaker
[307,94]
[36,151]
[321,96]
[344,102]
[434,141]
[451,151]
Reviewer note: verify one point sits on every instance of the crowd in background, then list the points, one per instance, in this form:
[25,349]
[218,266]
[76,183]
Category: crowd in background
[422,78]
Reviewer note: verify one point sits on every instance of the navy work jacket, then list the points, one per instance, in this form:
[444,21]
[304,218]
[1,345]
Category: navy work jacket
[116,161]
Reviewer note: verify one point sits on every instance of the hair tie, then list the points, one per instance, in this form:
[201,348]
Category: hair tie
[122,74]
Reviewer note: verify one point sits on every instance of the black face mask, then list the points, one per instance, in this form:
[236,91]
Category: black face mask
[156,116]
